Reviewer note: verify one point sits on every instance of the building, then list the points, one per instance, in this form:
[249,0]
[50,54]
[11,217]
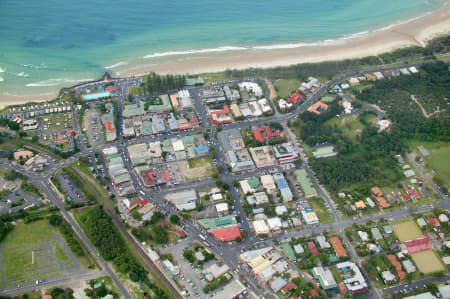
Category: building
[239,160]
[337,246]
[260,227]
[325,278]
[173,270]
[222,209]
[285,153]
[286,194]
[227,234]
[22,155]
[409,266]
[288,251]
[323,244]
[184,200]
[398,267]
[277,284]
[274,224]
[310,217]
[376,235]
[215,271]
[298,248]
[260,198]
[312,248]
[354,280]
[262,156]
[268,183]
[251,87]
[220,117]
[305,183]
[318,108]
[364,236]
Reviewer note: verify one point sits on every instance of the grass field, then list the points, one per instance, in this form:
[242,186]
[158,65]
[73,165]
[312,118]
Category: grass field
[350,125]
[198,168]
[439,161]
[318,207]
[29,252]
[58,121]
[407,230]
[285,87]
[428,261]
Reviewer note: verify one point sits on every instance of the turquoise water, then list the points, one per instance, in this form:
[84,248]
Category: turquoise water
[45,45]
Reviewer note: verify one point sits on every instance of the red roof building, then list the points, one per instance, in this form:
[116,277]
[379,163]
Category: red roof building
[149,177]
[314,293]
[269,134]
[398,267]
[434,222]
[312,248]
[293,297]
[181,234]
[342,287]
[165,176]
[257,135]
[318,107]
[296,97]
[418,245]
[405,197]
[288,287]
[111,88]
[227,234]
[108,126]
[376,191]
[337,246]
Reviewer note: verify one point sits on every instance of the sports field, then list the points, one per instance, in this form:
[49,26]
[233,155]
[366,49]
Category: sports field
[407,230]
[428,261]
[34,251]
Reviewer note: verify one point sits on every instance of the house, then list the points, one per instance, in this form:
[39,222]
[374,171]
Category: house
[289,287]
[277,284]
[388,276]
[422,223]
[376,235]
[360,204]
[398,267]
[280,210]
[296,97]
[409,266]
[443,218]
[298,248]
[323,244]
[388,229]
[434,222]
[364,236]
[274,224]
[312,248]
[371,77]
[318,108]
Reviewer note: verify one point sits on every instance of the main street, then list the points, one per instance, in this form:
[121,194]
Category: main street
[229,252]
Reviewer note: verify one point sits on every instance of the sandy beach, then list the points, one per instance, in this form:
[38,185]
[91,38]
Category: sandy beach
[414,32]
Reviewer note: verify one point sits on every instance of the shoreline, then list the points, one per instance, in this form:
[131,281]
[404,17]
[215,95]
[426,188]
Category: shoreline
[415,32]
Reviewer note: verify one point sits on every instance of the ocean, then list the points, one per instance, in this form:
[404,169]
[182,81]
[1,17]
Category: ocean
[45,45]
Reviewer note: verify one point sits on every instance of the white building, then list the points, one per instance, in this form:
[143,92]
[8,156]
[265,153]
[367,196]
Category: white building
[184,200]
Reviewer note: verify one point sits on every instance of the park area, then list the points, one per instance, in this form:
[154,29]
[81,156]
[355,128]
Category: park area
[428,261]
[317,205]
[34,251]
[285,87]
[407,230]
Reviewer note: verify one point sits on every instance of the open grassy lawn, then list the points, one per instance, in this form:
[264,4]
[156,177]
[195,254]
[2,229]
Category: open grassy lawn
[30,252]
[428,261]
[439,161]
[319,208]
[350,125]
[285,87]
[59,121]
[407,230]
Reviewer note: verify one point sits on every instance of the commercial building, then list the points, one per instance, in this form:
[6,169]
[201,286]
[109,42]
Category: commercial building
[310,217]
[305,183]
[227,234]
[262,156]
[325,278]
[215,271]
[286,193]
[285,153]
[183,201]
[268,183]
[260,227]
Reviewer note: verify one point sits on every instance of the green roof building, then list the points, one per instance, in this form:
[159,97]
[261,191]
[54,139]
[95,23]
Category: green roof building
[305,183]
[288,251]
[253,182]
[165,105]
[324,152]
[132,110]
[188,140]
[213,223]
